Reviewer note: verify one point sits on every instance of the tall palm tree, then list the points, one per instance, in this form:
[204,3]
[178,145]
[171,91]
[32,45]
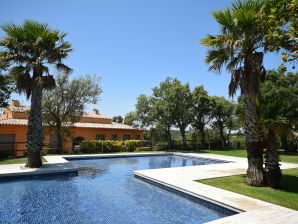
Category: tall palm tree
[30,49]
[239,47]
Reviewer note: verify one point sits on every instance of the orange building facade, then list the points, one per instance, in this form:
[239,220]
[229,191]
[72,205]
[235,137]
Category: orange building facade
[92,126]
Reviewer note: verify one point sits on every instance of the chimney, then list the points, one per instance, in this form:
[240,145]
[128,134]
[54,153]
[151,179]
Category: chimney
[15,103]
[95,111]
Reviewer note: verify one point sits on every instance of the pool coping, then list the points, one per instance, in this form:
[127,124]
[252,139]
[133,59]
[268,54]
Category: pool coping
[251,210]
[182,179]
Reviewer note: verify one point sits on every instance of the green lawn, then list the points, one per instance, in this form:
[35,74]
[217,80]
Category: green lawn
[16,161]
[286,196]
[242,153]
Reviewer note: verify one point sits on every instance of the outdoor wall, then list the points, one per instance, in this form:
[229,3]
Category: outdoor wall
[20,136]
[86,133]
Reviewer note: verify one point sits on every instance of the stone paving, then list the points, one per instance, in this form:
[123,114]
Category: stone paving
[256,211]
[183,179]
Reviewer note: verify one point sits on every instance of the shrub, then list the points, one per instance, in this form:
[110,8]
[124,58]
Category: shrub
[131,145]
[98,146]
[161,146]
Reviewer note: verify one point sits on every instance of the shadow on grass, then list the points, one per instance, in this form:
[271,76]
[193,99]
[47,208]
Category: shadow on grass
[289,183]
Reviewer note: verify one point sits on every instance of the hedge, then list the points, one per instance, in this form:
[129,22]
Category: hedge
[108,146]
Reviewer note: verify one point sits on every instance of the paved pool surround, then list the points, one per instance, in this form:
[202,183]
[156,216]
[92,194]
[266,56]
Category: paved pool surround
[181,180]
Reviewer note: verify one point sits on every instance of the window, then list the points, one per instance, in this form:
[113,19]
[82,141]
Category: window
[100,137]
[114,137]
[53,141]
[126,137]
[137,137]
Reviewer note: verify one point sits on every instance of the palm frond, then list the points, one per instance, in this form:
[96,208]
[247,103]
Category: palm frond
[235,82]
[64,68]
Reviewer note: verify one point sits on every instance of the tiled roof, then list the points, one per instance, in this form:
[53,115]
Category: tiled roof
[113,125]
[18,109]
[93,115]
[27,108]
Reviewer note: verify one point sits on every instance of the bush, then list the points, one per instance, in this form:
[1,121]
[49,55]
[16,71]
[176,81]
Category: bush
[98,146]
[161,146]
[132,145]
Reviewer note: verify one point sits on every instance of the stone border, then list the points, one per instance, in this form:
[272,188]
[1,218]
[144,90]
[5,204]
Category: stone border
[183,179]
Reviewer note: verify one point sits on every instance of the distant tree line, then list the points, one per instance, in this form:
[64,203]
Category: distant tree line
[205,119]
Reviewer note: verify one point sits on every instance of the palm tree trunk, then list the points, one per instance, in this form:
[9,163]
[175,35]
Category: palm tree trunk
[272,169]
[254,146]
[34,142]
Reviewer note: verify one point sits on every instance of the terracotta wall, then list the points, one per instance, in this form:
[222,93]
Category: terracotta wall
[86,133]
[20,136]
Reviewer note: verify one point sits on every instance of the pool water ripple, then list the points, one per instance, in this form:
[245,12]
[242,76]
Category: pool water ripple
[104,191]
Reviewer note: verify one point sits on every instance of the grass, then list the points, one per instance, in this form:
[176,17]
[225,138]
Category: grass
[286,196]
[289,158]
[16,161]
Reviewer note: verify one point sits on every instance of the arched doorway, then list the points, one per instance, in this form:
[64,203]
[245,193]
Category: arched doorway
[76,143]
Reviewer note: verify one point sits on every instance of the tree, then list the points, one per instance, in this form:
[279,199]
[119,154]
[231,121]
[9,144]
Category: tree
[144,111]
[5,85]
[177,100]
[282,16]
[65,105]
[239,47]
[223,115]
[201,111]
[30,49]
[118,119]
[130,119]
[280,85]
[162,117]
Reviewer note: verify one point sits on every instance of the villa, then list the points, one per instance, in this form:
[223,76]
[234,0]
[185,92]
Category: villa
[92,126]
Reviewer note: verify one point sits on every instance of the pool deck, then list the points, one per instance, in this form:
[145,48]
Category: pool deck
[183,179]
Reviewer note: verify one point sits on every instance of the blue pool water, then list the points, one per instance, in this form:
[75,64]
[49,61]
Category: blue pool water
[104,191]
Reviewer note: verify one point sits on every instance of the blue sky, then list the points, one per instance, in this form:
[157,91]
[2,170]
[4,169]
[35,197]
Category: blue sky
[132,45]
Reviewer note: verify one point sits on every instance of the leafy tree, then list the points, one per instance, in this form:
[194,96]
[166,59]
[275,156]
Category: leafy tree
[144,110]
[118,119]
[30,49]
[5,89]
[201,111]
[282,16]
[176,99]
[239,47]
[223,114]
[65,105]
[162,117]
[130,119]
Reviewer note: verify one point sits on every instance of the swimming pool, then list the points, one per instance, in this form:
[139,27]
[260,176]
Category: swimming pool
[104,191]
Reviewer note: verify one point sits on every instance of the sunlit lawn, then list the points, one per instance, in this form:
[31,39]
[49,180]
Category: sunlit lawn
[286,196]
[16,161]
[293,158]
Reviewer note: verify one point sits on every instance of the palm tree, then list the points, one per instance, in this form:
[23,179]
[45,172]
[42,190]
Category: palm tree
[30,49]
[239,47]
[274,121]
